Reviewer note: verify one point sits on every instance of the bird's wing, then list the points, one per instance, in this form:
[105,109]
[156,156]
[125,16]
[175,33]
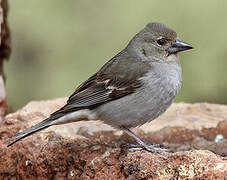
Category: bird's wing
[110,83]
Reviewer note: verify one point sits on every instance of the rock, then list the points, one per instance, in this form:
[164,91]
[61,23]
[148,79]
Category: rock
[92,150]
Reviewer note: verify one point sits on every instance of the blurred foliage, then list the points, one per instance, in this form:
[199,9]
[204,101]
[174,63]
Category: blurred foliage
[58,44]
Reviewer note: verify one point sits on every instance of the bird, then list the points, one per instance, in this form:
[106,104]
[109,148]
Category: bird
[132,88]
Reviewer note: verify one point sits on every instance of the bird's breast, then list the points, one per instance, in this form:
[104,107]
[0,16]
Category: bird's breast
[163,79]
[162,83]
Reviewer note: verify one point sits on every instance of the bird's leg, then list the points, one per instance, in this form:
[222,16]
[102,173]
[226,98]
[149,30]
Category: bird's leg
[143,145]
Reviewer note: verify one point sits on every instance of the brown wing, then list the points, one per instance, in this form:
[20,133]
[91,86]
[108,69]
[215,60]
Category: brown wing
[110,83]
[93,93]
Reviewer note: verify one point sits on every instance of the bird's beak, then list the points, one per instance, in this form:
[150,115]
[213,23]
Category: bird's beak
[178,46]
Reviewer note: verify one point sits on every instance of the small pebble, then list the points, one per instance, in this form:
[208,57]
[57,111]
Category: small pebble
[72,173]
[218,138]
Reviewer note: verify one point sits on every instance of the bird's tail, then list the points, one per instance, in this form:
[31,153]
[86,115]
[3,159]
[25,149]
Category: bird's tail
[21,135]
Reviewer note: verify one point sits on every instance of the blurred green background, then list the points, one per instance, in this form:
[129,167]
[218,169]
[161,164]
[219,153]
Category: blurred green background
[58,44]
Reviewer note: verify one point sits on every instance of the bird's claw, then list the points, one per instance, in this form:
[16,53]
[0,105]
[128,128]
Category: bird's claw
[154,148]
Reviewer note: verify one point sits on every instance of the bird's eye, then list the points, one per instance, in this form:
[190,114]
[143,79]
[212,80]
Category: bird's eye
[161,41]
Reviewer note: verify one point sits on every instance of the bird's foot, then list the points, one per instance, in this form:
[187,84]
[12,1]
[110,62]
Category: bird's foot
[154,148]
[142,145]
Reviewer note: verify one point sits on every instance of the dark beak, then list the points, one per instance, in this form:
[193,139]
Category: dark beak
[178,46]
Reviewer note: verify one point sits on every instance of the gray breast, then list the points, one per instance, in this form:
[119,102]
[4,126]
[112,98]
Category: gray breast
[161,84]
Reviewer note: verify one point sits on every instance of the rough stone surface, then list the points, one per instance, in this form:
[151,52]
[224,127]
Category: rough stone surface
[92,150]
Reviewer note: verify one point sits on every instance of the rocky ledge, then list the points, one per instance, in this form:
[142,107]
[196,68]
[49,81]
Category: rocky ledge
[196,133]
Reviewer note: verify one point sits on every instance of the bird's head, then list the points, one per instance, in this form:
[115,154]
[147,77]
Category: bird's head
[157,42]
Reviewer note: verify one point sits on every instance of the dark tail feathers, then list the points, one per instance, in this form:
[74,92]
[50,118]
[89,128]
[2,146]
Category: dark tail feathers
[21,135]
